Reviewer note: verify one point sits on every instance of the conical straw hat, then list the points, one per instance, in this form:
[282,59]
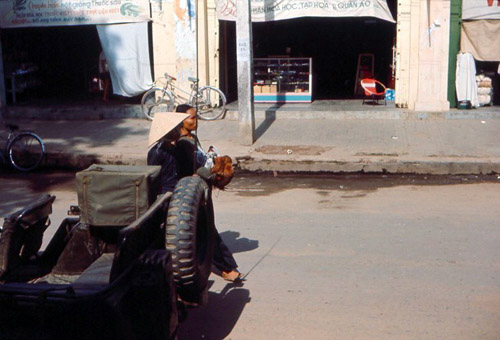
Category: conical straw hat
[163,123]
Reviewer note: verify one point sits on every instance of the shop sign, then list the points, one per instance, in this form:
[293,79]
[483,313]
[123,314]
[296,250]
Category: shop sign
[34,13]
[272,10]
[480,9]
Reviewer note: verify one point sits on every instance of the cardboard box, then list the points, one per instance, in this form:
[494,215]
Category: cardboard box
[257,89]
[266,88]
[273,88]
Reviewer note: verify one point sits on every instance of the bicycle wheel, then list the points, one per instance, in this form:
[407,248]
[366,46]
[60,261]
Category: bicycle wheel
[26,151]
[211,103]
[156,100]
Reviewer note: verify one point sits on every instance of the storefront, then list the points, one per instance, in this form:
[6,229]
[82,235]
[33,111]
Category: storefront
[478,67]
[68,70]
[51,49]
[313,50]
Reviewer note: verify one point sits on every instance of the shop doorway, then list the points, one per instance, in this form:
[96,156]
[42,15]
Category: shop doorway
[54,64]
[334,44]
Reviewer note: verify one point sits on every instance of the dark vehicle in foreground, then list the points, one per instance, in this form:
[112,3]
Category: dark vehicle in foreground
[106,281]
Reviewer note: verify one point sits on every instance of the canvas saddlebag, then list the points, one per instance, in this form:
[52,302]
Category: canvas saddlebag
[116,195]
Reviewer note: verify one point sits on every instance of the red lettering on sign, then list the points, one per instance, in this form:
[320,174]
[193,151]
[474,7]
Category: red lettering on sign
[490,3]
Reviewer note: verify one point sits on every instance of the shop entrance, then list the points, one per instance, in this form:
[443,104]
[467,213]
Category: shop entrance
[488,81]
[334,44]
[52,64]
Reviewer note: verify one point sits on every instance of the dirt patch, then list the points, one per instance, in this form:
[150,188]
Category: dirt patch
[292,150]
[380,154]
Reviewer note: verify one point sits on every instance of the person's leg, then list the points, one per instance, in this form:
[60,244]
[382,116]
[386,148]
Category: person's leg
[107,85]
[224,260]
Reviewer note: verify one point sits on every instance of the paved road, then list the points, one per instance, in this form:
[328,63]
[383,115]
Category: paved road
[348,258]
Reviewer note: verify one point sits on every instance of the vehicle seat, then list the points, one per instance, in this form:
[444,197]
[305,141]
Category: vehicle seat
[22,234]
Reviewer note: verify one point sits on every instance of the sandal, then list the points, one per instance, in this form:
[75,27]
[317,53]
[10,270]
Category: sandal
[232,276]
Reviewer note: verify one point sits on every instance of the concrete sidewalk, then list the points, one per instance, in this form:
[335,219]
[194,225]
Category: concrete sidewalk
[318,141]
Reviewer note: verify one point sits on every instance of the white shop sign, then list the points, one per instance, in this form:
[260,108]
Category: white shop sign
[34,13]
[480,9]
[272,10]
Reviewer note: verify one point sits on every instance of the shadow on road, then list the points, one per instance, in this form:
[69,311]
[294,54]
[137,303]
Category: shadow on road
[216,320]
[20,189]
[238,244]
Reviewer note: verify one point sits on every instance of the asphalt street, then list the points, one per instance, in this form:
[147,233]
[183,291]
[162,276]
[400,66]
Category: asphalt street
[342,257]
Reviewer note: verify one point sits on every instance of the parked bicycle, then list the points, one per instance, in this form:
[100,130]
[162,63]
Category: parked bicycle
[24,150]
[209,100]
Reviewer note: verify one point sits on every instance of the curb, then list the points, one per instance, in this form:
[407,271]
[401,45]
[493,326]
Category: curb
[124,111]
[87,112]
[393,166]
[368,114]
[253,164]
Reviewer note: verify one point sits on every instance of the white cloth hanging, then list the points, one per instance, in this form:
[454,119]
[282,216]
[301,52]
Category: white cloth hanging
[466,79]
[127,54]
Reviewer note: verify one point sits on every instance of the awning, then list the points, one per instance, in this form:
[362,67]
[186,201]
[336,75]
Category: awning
[273,10]
[481,38]
[39,13]
[127,55]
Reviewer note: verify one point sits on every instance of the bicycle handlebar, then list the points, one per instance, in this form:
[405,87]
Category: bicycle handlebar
[11,127]
[169,76]
[191,79]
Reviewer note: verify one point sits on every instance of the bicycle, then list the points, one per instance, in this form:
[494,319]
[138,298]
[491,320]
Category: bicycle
[24,150]
[209,100]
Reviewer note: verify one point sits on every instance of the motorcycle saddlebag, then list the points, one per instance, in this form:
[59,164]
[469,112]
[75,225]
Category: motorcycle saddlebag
[116,195]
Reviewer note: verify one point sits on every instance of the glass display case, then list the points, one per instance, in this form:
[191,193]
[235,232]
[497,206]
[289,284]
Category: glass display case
[283,80]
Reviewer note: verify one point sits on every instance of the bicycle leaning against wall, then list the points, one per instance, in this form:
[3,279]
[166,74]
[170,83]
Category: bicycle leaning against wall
[209,100]
[24,150]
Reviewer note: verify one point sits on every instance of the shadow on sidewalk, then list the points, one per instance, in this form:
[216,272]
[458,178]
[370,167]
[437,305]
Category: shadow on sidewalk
[268,121]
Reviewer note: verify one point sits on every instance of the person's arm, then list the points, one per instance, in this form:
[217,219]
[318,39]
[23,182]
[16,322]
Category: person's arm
[168,172]
[169,177]
[185,152]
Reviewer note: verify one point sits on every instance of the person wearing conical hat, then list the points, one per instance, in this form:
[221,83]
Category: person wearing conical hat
[164,132]
[168,132]
[190,159]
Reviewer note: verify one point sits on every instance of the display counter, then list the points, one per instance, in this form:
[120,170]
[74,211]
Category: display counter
[283,80]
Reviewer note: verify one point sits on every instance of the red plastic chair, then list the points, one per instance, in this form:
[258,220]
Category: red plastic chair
[374,90]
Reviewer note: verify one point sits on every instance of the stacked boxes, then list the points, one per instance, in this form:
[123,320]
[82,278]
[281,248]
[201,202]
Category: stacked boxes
[484,90]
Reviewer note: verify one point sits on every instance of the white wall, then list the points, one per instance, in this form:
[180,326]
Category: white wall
[174,36]
[422,55]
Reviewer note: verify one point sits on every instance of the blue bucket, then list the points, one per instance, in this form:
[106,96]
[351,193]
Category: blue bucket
[389,95]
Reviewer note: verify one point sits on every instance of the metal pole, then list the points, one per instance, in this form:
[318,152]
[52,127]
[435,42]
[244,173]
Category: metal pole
[244,56]
[3,96]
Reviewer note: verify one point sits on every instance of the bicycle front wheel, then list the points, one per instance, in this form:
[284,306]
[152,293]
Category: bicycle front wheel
[211,103]
[26,151]
[156,100]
